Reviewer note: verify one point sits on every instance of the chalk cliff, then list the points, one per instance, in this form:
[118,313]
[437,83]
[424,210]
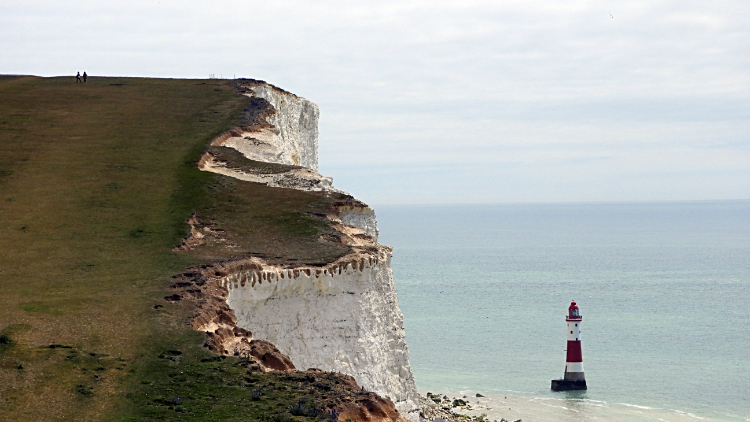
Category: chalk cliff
[340,317]
[284,130]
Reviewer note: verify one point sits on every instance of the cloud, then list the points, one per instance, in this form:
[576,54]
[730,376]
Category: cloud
[645,92]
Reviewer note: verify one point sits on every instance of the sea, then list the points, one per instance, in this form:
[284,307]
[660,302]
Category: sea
[664,290]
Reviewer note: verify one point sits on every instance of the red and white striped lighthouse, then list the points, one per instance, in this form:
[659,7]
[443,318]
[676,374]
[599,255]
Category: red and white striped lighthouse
[574,378]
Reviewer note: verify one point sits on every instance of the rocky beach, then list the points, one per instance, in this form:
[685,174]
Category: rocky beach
[440,407]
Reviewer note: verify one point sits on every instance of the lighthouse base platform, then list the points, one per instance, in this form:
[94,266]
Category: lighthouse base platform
[565,385]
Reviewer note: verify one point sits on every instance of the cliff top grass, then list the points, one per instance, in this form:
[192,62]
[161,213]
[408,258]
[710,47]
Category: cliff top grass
[97,183]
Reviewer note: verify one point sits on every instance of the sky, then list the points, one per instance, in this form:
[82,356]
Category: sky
[452,101]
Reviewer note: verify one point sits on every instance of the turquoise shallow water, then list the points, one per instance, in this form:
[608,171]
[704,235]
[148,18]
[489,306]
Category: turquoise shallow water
[664,290]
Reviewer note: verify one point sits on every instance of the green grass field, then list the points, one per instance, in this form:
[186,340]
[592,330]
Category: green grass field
[96,185]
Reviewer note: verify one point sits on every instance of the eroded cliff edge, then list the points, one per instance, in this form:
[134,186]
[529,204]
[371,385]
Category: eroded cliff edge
[339,316]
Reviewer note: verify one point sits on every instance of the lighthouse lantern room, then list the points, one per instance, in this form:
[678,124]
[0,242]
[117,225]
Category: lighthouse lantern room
[574,378]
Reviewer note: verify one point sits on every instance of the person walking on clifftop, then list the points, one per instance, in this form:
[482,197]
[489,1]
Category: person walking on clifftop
[78,77]
[84,77]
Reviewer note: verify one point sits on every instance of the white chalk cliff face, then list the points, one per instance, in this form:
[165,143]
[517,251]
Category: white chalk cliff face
[342,317]
[291,138]
[361,218]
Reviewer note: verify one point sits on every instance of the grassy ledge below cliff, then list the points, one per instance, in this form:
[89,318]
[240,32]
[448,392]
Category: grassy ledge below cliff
[97,183]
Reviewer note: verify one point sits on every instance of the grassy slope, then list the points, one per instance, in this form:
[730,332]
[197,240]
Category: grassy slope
[96,184]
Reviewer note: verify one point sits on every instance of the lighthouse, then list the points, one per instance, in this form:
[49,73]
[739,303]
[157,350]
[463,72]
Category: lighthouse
[574,378]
